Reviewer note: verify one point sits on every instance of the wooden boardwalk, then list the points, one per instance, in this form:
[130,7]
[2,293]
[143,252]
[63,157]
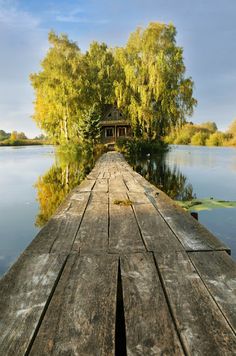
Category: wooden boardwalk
[120,270]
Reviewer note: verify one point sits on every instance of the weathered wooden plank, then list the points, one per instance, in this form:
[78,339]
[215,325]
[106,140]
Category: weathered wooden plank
[132,184]
[106,175]
[101,174]
[123,232]
[24,294]
[192,235]
[218,271]
[117,184]
[59,233]
[93,232]
[202,326]
[155,232]
[86,185]
[80,319]
[149,326]
[101,185]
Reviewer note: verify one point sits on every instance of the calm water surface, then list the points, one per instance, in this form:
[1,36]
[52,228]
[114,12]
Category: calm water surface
[186,172]
[33,182]
[19,171]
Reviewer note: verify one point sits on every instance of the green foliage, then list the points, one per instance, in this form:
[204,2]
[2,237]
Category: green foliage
[135,147]
[153,88]
[232,128]
[230,135]
[89,129]
[73,163]
[206,204]
[202,134]
[158,172]
[184,135]
[199,138]
[4,135]
[210,126]
[57,89]
[16,138]
[215,139]
[145,79]
[191,134]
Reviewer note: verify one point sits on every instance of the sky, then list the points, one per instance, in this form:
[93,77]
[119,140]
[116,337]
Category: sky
[206,29]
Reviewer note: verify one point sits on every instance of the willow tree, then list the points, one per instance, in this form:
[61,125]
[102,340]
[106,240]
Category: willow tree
[154,89]
[101,72]
[57,89]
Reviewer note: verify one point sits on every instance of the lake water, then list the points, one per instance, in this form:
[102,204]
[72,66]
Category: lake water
[19,171]
[186,172]
[33,183]
[33,172]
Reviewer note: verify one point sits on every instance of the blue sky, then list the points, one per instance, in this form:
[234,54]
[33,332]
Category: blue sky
[206,30]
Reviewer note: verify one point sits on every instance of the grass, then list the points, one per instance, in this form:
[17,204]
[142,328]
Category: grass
[28,142]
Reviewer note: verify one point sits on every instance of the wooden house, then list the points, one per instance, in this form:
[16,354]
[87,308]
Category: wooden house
[114,125]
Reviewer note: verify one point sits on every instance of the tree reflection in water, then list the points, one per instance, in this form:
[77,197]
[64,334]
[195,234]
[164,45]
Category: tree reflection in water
[170,180]
[67,172]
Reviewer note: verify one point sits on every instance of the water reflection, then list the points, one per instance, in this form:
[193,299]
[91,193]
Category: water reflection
[168,179]
[52,187]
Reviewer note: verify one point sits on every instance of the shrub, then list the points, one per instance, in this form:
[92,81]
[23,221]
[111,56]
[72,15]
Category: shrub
[199,139]
[215,139]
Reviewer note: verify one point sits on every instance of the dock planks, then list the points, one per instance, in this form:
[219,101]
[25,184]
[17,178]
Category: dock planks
[120,270]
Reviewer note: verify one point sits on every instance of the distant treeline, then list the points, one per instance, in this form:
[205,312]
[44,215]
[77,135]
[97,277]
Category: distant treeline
[205,134]
[19,138]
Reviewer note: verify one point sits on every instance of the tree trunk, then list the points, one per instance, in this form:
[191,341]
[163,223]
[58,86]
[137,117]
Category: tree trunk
[66,128]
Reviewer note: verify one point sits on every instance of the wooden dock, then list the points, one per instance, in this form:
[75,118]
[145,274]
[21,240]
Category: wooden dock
[120,270]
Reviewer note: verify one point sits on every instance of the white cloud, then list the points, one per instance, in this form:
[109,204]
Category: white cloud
[23,45]
[12,17]
[76,19]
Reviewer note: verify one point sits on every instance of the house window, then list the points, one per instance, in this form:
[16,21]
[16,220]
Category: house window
[122,131]
[109,132]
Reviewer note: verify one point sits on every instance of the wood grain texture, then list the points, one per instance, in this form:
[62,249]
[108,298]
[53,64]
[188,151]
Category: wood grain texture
[180,303]
[93,232]
[193,236]
[59,233]
[218,271]
[101,185]
[202,326]
[132,184]
[155,232]
[117,184]
[80,319]
[24,292]
[86,185]
[149,327]
[124,234]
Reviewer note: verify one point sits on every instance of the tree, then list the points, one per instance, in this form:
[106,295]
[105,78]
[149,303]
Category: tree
[4,135]
[101,73]
[199,139]
[210,126]
[21,136]
[145,79]
[13,136]
[215,139]
[89,129]
[57,89]
[154,87]
[232,128]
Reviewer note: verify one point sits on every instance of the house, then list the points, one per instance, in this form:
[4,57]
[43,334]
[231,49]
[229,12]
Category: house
[114,125]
